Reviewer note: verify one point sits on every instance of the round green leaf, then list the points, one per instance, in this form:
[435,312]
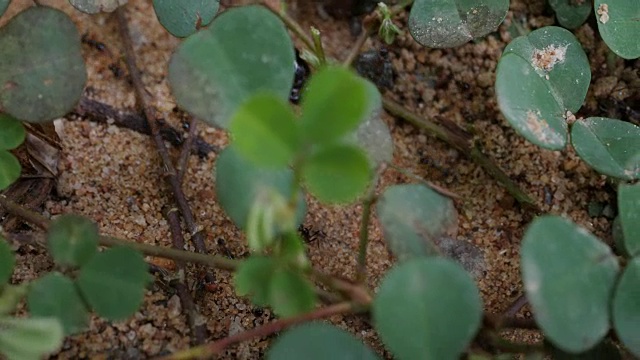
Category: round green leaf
[264,130]
[319,341]
[213,71]
[40,67]
[626,308]
[7,262]
[427,308]
[253,278]
[619,26]
[290,294]
[629,206]
[12,132]
[608,145]
[29,339]
[238,183]
[335,101]
[9,169]
[55,295]
[539,78]
[373,135]
[568,276]
[337,174]
[571,13]
[418,221]
[4,4]
[72,240]
[96,6]
[449,23]
[113,282]
[183,18]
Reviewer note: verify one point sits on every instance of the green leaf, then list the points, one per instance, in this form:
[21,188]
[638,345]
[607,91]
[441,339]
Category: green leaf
[568,276]
[218,68]
[418,221]
[72,240]
[3,6]
[319,341]
[11,296]
[619,26]
[183,18]
[7,262]
[570,13]
[450,23]
[42,72]
[608,145]
[290,294]
[414,218]
[335,101]
[604,350]
[97,6]
[9,169]
[55,295]
[539,78]
[113,282]
[29,339]
[626,308]
[12,132]
[253,279]
[629,206]
[427,308]
[373,135]
[238,183]
[264,130]
[337,174]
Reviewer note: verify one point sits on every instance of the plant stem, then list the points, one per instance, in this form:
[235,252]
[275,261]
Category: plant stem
[463,142]
[364,35]
[183,159]
[214,261]
[171,176]
[367,202]
[198,328]
[317,45]
[292,25]
[208,350]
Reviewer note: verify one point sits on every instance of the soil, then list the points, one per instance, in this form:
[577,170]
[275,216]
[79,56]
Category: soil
[112,175]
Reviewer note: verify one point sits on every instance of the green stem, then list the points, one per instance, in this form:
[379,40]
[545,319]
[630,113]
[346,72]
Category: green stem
[317,45]
[370,198]
[293,25]
[42,222]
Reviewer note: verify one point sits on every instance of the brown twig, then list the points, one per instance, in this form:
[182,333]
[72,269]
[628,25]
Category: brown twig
[183,159]
[198,328]
[171,176]
[100,112]
[517,304]
[216,347]
[463,142]
[214,261]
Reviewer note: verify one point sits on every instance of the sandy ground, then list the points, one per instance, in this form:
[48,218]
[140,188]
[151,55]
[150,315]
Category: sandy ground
[112,175]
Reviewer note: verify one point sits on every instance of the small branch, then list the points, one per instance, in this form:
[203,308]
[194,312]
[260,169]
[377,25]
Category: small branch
[292,25]
[170,173]
[355,50]
[499,322]
[97,111]
[463,142]
[183,159]
[517,304]
[198,328]
[214,261]
[370,198]
[216,347]
[317,44]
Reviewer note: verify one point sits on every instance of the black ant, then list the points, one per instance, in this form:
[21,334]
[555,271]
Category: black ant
[100,46]
[310,235]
